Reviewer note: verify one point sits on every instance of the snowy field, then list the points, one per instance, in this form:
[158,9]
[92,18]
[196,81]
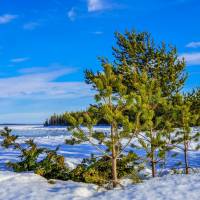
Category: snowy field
[30,186]
[33,187]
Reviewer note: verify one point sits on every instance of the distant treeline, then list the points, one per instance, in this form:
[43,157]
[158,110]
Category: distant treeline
[193,98]
[56,120]
[61,120]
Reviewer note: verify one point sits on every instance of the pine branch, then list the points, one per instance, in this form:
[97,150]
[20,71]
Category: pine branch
[93,144]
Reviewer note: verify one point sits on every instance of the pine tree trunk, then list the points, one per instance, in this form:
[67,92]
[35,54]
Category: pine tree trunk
[153,166]
[186,157]
[153,163]
[114,159]
[114,172]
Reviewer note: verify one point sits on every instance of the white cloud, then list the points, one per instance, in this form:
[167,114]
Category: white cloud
[193,45]
[19,60]
[191,58]
[71,14]
[40,83]
[4,19]
[97,5]
[48,69]
[31,25]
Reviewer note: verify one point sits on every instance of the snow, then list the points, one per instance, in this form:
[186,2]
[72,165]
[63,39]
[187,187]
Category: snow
[28,186]
[176,187]
[49,138]
[23,186]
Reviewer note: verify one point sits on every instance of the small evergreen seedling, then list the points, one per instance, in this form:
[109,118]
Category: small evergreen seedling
[9,140]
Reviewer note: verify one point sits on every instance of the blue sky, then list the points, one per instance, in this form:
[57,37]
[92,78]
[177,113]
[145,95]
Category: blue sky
[45,46]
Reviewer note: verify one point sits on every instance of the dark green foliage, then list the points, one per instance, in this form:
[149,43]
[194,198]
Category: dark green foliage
[9,140]
[184,118]
[193,99]
[99,171]
[156,120]
[135,93]
[155,73]
[52,166]
[138,51]
[112,101]
[72,141]
[29,155]
[42,161]
[61,120]
[56,120]
[49,164]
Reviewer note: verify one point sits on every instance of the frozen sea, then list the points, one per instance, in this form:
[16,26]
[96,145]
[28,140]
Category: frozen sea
[51,137]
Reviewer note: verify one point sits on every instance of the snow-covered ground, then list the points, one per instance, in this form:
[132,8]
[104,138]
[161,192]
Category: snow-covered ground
[49,137]
[30,186]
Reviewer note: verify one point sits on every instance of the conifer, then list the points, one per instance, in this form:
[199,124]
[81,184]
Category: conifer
[137,51]
[194,99]
[163,77]
[111,103]
[184,137]
[156,123]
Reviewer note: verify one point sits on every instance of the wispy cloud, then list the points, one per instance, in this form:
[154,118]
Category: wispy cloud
[6,18]
[191,58]
[40,83]
[193,45]
[54,67]
[19,60]
[71,14]
[35,93]
[98,5]
[31,25]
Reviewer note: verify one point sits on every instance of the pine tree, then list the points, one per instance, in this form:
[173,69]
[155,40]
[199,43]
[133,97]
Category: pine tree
[9,140]
[112,102]
[156,122]
[138,52]
[194,99]
[184,136]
